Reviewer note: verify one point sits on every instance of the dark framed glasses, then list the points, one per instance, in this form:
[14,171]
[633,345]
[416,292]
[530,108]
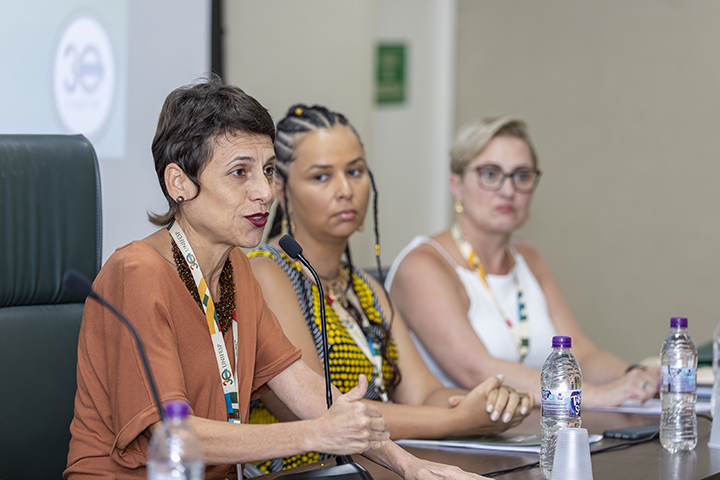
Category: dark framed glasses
[491,177]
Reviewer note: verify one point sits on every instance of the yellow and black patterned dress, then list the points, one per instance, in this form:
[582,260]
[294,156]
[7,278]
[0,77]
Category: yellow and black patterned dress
[347,361]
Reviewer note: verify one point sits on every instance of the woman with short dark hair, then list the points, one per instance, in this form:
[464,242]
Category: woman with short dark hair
[210,338]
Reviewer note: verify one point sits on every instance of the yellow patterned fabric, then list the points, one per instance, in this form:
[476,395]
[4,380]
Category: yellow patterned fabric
[347,361]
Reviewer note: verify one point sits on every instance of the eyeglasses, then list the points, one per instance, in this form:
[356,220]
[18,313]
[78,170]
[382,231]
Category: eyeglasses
[491,177]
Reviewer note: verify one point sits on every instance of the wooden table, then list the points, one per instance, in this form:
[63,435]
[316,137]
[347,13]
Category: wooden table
[638,462]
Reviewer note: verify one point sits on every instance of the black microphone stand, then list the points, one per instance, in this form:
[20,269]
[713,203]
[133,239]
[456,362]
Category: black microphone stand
[346,468]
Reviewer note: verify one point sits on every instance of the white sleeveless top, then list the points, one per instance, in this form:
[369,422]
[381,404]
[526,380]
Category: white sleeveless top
[488,323]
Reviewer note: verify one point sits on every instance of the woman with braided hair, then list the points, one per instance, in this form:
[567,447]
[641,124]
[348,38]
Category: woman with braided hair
[323,183]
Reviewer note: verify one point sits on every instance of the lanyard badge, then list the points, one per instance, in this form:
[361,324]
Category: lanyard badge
[227,377]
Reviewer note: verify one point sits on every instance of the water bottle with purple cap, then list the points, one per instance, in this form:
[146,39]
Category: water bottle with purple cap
[561,384]
[175,452]
[678,393]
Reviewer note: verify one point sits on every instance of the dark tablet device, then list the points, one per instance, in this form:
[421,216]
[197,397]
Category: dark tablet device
[633,433]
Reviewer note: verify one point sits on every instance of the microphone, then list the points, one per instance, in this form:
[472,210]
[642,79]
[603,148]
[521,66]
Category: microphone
[346,468]
[78,283]
[294,251]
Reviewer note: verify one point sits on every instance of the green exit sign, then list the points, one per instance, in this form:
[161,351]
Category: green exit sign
[390,74]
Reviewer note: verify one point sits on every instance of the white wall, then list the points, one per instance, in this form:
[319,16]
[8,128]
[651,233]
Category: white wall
[315,51]
[623,103]
[412,140]
[284,52]
[169,46]
[322,51]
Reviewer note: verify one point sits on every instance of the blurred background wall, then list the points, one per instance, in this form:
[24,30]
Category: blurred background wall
[324,52]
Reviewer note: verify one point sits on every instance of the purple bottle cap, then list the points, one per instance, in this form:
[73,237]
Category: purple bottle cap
[561,342]
[678,322]
[177,409]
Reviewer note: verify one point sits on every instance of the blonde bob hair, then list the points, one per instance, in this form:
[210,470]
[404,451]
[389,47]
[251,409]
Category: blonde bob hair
[474,137]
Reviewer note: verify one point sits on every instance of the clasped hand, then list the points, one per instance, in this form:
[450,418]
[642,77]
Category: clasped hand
[492,397]
[350,426]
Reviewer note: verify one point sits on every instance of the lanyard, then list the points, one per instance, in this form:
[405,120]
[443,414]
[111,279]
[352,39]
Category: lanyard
[371,349]
[228,379]
[521,333]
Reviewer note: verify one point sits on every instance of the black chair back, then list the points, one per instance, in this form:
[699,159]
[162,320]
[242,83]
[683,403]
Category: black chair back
[50,222]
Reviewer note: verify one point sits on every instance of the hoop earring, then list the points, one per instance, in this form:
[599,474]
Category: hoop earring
[361,228]
[459,209]
[180,200]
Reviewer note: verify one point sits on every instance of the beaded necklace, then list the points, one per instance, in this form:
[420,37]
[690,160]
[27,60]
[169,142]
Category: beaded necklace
[345,351]
[226,306]
[344,302]
[337,288]
[522,332]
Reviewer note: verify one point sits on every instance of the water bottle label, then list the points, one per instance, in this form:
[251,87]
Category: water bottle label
[561,403]
[678,380]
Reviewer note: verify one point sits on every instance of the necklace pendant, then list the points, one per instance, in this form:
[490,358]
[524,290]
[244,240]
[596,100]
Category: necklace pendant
[381,387]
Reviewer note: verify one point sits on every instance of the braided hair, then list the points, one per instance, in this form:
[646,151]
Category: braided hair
[300,121]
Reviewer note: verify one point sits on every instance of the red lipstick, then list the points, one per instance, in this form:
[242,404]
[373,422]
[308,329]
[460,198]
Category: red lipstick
[258,219]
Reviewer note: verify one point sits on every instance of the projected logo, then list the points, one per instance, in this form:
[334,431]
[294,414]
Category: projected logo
[84,76]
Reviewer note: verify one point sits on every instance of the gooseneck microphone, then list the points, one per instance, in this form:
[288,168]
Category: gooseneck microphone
[78,283]
[346,468]
[294,251]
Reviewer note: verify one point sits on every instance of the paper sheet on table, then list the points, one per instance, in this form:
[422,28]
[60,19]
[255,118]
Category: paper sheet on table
[507,442]
[651,407]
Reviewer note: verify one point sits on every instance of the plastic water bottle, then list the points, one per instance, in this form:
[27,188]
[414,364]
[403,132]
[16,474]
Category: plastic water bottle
[678,357]
[561,383]
[716,369]
[175,452]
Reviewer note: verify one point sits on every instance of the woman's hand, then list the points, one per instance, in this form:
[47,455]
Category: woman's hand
[350,426]
[493,398]
[654,372]
[425,470]
[509,402]
[638,384]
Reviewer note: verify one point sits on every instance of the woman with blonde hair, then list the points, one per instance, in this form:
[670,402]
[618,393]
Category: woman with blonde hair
[478,300]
